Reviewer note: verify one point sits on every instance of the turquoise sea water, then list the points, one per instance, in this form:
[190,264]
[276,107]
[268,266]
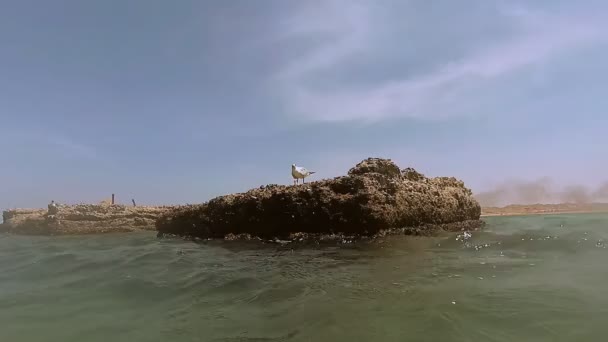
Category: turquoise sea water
[536,278]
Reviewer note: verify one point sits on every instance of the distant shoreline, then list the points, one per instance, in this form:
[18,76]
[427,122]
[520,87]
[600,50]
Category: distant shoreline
[541,213]
[544,209]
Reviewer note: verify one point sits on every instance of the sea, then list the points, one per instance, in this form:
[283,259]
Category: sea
[528,278]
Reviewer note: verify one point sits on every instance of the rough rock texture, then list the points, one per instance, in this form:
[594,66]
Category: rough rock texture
[375,196]
[81,219]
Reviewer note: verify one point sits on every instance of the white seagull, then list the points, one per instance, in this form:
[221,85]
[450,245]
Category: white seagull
[298,172]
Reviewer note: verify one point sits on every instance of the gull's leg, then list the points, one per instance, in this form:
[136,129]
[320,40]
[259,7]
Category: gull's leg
[303,180]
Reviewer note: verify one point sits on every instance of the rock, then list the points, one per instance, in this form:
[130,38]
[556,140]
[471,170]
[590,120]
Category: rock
[376,165]
[411,174]
[375,196]
[81,219]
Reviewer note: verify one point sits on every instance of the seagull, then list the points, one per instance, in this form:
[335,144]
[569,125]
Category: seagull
[298,172]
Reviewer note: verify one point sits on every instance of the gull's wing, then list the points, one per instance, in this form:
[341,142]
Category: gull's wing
[301,170]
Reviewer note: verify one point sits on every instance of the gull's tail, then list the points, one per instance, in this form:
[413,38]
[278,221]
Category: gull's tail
[311,172]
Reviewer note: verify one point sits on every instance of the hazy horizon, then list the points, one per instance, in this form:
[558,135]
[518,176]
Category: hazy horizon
[542,190]
[172,103]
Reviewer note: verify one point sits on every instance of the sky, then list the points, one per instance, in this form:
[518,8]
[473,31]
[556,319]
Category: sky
[172,102]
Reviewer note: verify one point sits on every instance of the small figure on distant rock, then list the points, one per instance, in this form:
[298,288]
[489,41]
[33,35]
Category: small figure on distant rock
[298,172]
[52,211]
[52,208]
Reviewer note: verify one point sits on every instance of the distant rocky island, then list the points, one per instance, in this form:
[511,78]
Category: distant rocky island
[81,219]
[376,197]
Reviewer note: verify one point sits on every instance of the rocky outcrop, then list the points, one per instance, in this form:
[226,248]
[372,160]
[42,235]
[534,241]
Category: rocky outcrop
[375,197]
[80,219]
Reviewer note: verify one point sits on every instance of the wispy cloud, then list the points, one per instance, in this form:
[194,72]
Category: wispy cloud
[352,28]
[70,148]
[44,142]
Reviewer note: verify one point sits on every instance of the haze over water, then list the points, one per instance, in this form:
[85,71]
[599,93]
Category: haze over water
[522,279]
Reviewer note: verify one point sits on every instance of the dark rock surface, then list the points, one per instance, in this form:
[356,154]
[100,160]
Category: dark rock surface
[376,196]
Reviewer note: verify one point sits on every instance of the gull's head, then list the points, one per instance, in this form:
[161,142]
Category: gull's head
[293,166]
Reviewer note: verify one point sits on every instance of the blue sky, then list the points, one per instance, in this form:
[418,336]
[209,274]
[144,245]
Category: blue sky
[179,101]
